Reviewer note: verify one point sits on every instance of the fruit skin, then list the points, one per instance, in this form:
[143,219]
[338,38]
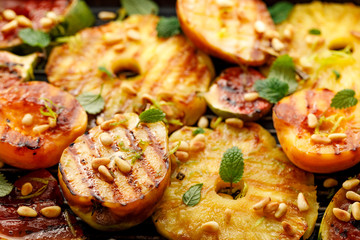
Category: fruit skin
[21,146]
[330,223]
[267,173]
[131,197]
[230,87]
[290,122]
[170,70]
[204,21]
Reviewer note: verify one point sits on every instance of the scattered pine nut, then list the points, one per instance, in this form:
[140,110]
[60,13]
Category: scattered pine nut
[26,189]
[260,26]
[203,122]
[277,44]
[52,122]
[106,139]
[26,212]
[281,210]
[10,26]
[355,210]
[228,214]
[342,215]
[24,21]
[288,31]
[211,226]
[262,203]
[124,166]
[251,96]
[312,120]
[182,156]
[302,203]
[196,146]
[271,207]
[184,146]
[105,15]
[337,136]
[41,128]
[110,38]
[351,183]
[316,138]
[46,22]
[133,35]
[27,120]
[289,230]
[51,212]
[270,33]
[99,120]
[97,162]
[330,182]
[9,14]
[104,172]
[52,15]
[235,122]
[106,125]
[224,3]
[351,195]
[119,47]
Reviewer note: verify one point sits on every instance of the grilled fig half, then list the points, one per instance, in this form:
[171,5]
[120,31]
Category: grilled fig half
[114,175]
[233,95]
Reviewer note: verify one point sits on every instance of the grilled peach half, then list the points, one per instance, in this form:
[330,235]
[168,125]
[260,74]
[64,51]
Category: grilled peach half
[32,135]
[114,175]
[316,137]
[226,29]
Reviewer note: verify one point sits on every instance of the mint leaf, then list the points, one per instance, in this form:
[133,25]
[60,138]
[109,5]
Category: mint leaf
[193,195]
[142,7]
[283,68]
[104,70]
[92,103]
[34,38]
[344,99]
[314,31]
[198,131]
[167,27]
[152,115]
[232,165]
[337,74]
[5,186]
[280,11]
[271,89]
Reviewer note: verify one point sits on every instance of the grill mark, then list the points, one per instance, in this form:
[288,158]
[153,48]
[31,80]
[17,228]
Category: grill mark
[117,195]
[156,146]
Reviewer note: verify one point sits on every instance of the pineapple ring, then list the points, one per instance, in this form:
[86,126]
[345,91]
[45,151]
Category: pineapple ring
[267,173]
[170,71]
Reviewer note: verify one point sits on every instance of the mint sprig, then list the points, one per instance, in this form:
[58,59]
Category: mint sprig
[167,27]
[5,186]
[232,166]
[198,131]
[142,7]
[344,99]
[152,115]
[193,195]
[272,89]
[280,11]
[314,31]
[34,38]
[92,103]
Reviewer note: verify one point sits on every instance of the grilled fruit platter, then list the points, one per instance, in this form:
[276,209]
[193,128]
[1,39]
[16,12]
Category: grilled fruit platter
[270,183]
[113,175]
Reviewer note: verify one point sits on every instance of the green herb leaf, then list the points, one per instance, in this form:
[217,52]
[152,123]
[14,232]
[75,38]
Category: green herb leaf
[142,7]
[34,38]
[167,27]
[344,99]
[193,195]
[271,89]
[314,31]
[104,70]
[5,186]
[152,115]
[232,165]
[198,131]
[92,103]
[337,74]
[283,68]
[280,11]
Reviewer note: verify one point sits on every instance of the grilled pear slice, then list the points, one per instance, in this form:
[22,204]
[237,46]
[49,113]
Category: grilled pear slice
[267,173]
[226,29]
[33,136]
[169,71]
[331,145]
[122,190]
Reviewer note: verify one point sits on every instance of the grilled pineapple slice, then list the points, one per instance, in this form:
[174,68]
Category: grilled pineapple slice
[122,190]
[170,71]
[228,29]
[32,135]
[332,58]
[267,173]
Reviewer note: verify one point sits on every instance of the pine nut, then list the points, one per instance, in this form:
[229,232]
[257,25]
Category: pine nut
[133,35]
[199,137]
[51,212]
[211,226]
[316,138]
[330,182]
[351,183]
[302,203]
[26,212]
[203,122]
[182,156]
[262,203]
[281,210]
[184,146]
[119,47]
[288,31]
[342,215]
[10,26]
[251,96]
[26,189]
[270,33]
[52,122]
[228,214]
[27,119]
[105,15]
[107,124]
[52,15]
[235,122]
[106,139]
[355,210]
[97,162]
[110,38]
[105,173]
[271,207]
[41,128]
[277,44]
[224,3]
[351,195]
[312,120]
[46,22]
[124,166]
[196,146]
[24,21]
[260,26]
[99,120]
[9,14]
[337,136]
[289,230]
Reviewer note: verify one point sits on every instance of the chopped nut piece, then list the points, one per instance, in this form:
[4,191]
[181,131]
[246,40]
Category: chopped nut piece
[355,210]
[106,139]
[41,128]
[312,120]
[234,122]
[51,212]
[105,15]
[330,182]
[123,165]
[316,138]
[26,189]
[288,228]
[211,226]
[9,14]
[104,172]
[203,122]
[26,212]
[262,203]
[351,183]
[302,203]
[260,26]
[251,96]
[342,215]
[97,162]
[337,136]
[27,119]
[24,21]
[351,195]
[281,210]
[10,26]
[182,156]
